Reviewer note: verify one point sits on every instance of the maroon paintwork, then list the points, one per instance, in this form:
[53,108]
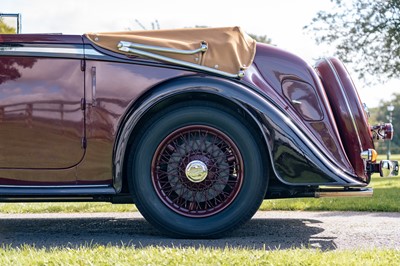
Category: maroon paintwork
[56,110]
[348,111]
[41,102]
[42,122]
[114,97]
[278,66]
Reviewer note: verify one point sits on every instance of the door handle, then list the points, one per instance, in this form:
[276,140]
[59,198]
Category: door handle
[93,72]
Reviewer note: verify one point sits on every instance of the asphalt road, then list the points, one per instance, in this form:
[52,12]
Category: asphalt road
[269,230]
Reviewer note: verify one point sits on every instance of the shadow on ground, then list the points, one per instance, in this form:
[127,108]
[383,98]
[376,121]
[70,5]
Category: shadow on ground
[256,234]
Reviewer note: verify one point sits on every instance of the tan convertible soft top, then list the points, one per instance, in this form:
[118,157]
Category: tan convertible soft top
[229,49]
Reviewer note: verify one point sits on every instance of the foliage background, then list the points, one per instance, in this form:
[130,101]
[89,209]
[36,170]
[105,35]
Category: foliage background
[366,36]
[6,29]
[365,33]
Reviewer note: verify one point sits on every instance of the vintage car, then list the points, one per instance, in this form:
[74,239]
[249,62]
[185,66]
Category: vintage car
[195,126]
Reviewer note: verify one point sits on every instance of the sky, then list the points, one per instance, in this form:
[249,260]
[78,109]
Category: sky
[281,20]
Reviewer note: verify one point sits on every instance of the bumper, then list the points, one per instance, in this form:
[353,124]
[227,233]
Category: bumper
[345,192]
[386,168]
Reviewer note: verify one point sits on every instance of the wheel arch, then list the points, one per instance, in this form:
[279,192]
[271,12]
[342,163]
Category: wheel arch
[189,88]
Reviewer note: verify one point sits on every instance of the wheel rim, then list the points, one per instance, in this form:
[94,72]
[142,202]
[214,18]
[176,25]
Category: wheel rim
[197,171]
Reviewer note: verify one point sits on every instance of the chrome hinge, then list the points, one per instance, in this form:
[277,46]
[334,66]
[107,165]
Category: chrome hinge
[83,143]
[83,104]
[83,65]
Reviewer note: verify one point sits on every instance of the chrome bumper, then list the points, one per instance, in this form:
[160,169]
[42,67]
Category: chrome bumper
[346,192]
[388,168]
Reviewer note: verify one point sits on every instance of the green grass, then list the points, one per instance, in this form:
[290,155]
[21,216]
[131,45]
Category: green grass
[386,199]
[111,255]
[65,207]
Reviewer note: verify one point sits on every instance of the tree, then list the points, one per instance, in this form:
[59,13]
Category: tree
[365,33]
[10,67]
[260,38]
[4,28]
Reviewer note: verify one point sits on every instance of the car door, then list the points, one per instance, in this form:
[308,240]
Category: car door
[42,123]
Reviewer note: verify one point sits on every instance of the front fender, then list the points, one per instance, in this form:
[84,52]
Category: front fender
[295,160]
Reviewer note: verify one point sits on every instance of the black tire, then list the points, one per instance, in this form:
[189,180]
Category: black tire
[225,194]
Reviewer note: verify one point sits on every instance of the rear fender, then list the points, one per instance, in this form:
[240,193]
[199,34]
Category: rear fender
[348,111]
[295,160]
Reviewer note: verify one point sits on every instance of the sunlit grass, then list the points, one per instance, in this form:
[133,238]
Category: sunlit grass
[65,207]
[112,255]
[385,199]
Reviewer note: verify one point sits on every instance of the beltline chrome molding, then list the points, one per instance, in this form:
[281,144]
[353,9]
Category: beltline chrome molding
[42,51]
[51,51]
[343,91]
[93,52]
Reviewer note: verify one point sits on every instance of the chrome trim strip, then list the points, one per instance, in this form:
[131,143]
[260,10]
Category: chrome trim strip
[92,52]
[50,51]
[203,48]
[56,191]
[296,102]
[180,62]
[343,91]
[36,199]
[13,50]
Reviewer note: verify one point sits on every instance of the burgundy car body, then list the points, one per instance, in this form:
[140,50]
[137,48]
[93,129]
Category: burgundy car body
[70,110]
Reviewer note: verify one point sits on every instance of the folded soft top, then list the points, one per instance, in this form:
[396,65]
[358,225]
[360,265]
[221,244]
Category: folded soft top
[228,49]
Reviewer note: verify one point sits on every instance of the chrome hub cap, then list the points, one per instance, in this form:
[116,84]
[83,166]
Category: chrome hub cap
[196,171]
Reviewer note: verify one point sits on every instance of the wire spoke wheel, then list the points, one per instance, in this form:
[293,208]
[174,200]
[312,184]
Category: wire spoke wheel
[197,171]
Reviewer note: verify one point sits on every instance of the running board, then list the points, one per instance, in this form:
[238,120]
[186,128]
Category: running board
[55,193]
[342,193]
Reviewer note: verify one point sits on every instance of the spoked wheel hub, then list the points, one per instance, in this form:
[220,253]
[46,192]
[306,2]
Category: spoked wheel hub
[197,171]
